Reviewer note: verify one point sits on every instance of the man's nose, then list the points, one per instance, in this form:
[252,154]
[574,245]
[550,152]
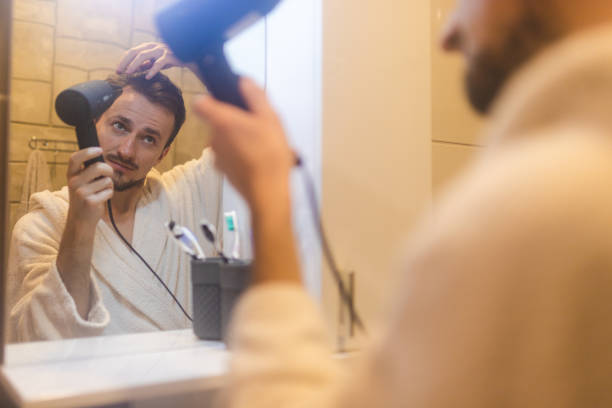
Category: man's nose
[450,38]
[127,147]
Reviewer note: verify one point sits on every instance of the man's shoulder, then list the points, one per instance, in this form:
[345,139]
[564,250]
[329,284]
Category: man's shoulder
[189,172]
[53,201]
[47,206]
[559,174]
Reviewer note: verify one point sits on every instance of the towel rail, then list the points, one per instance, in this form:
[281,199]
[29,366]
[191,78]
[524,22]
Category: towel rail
[51,145]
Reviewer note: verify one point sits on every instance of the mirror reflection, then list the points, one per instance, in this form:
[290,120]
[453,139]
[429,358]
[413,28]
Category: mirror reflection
[59,43]
[71,271]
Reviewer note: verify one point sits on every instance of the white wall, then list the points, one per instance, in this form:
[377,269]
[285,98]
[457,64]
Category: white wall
[376,137]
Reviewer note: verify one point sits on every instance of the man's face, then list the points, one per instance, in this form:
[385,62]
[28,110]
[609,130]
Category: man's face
[133,134]
[496,37]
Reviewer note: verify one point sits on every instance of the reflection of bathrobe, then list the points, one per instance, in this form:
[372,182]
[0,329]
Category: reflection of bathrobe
[126,296]
[507,295]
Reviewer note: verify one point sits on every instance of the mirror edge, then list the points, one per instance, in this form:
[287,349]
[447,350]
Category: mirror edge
[5,54]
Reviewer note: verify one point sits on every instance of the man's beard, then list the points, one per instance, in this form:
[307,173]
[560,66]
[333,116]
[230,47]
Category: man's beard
[119,187]
[126,185]
[489,71]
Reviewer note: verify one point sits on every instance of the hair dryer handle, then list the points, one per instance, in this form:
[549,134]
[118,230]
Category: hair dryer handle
[215,72]
[87,136]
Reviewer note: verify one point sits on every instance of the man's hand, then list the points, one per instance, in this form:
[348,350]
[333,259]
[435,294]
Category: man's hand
[250,147]
[151,57]
[89,189]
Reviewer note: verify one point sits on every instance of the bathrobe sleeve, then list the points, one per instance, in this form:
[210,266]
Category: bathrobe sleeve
[40,307]
[505,300]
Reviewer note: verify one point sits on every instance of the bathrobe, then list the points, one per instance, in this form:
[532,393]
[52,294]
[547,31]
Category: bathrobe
[506,295]
[126,297]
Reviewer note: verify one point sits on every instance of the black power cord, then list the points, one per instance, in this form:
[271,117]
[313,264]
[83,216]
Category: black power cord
[329,256]
[110,215]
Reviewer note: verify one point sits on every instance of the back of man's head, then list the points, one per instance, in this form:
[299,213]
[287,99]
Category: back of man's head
[158,90]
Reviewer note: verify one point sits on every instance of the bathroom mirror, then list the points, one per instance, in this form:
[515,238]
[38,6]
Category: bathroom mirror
[59,43]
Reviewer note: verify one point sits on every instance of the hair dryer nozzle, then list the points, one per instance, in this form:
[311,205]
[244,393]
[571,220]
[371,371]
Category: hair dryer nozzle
[84,102]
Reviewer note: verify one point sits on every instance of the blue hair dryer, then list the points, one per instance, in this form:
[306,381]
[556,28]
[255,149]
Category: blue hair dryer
[196,31]
[81,105]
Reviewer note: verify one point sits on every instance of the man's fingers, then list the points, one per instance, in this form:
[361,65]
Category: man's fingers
[78,158]
[101,196]
[96,170]
[255,97]
[130,54]
[159,64]
[94,187]
[141,58]
[90,175]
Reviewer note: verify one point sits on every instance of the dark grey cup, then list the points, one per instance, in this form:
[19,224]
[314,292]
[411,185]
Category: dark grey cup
[216,289]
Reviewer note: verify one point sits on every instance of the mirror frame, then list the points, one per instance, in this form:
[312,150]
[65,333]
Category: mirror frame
[5,56]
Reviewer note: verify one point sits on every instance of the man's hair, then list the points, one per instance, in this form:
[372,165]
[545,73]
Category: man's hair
[158,90]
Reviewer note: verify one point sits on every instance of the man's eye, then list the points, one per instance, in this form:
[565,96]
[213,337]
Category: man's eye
[119,126]
[149,139]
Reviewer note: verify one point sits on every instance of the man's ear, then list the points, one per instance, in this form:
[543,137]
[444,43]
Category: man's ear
[163,154]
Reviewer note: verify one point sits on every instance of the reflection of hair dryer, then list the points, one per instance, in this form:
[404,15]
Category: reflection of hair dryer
[196,31]
[81,105]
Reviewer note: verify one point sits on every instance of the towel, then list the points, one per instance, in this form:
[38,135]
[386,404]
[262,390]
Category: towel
[36,179]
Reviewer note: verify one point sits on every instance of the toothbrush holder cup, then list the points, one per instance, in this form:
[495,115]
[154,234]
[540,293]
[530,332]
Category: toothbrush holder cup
[217,286]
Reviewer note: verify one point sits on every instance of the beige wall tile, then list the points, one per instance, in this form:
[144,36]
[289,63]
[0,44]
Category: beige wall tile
[191,83]
[96,20]
[30,101]
[65,77]
[448,161]
[16,177]
[87,55]
[36,11]
[144,15]
[32,51]
[139,37]
[58,175]
[20,136]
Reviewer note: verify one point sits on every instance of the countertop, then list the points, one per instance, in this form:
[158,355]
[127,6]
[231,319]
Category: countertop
[112,369]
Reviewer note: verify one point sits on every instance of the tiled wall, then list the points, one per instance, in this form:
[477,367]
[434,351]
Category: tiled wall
[57,43]
[455,128]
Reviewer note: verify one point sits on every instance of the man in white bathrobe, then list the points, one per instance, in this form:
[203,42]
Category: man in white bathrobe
[507,294]
[70,274]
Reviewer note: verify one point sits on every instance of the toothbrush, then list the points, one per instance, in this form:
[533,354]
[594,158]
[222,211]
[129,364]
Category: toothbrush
[186,239]
[210,232]
[231,220]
